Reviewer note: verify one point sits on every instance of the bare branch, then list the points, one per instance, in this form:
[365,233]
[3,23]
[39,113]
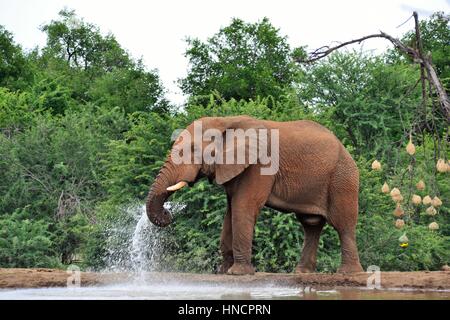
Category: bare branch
[416,55]
[324,51]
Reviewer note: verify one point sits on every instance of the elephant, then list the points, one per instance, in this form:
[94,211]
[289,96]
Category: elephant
[316,179]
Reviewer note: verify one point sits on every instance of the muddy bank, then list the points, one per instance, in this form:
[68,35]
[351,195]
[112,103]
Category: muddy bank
[36,278]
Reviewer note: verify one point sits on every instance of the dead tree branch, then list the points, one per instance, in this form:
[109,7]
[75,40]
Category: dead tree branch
[416,55]
[324,51]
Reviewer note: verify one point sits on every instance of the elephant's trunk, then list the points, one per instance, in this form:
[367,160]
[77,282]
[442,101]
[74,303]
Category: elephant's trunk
[158,195]
[156,212]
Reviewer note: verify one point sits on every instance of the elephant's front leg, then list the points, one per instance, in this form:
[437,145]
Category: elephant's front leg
[226,242]
[249,194]
[243,221]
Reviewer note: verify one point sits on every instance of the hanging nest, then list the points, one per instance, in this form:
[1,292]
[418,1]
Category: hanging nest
[376,165]
[399,212]
[442,166]
[416,200]
[433,226]
[397,198]
[436,202]
[385,188]
[411,148]
[396,195]
[403,241]
[431,211]
[403,238]
[426,200]
[399,223]
[395,192]
[420,185]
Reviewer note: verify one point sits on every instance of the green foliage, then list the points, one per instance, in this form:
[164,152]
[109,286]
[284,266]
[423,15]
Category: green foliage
[70,233]
[16,113]
[82,45]
[131,89]
[241,61]
[378,245]
[261,108]
[25,242]
[91,67]
[367,103]
[15,71]
[277,243]
[131,163]
[54,165]
[378,239]
[53,169]
[51,94]
[195,233]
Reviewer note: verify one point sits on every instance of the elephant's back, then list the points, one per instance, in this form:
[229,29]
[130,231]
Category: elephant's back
[307,136]
[303,126]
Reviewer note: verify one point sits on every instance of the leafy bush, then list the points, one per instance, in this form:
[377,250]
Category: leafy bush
[26,243]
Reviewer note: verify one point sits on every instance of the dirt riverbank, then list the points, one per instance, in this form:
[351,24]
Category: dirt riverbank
[36,278]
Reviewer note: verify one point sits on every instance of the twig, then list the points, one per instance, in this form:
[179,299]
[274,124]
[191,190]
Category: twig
[32,176]
[405,21]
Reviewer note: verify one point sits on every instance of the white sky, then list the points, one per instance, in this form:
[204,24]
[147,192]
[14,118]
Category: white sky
[155,30]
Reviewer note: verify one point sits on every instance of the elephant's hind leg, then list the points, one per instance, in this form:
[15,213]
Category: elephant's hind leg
[312,229]
[343,210]
[343,217]
[350,260]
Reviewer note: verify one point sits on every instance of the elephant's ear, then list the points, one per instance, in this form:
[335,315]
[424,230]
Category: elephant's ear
[226,172]
[248,147]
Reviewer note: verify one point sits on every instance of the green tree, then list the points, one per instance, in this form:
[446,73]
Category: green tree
[82,45]
[25,242]
[51,167]
[132,89]
[131,163]
[15,71]
[16,111]
[96,68]
[241,61]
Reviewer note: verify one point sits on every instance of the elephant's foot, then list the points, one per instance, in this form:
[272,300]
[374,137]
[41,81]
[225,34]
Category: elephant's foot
[241,269]
[350,268]
[305,269]
[225,266]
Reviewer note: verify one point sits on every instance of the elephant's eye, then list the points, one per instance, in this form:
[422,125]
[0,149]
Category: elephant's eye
[178,150]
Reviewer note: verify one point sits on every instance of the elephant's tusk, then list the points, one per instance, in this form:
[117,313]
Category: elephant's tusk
[177,186]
